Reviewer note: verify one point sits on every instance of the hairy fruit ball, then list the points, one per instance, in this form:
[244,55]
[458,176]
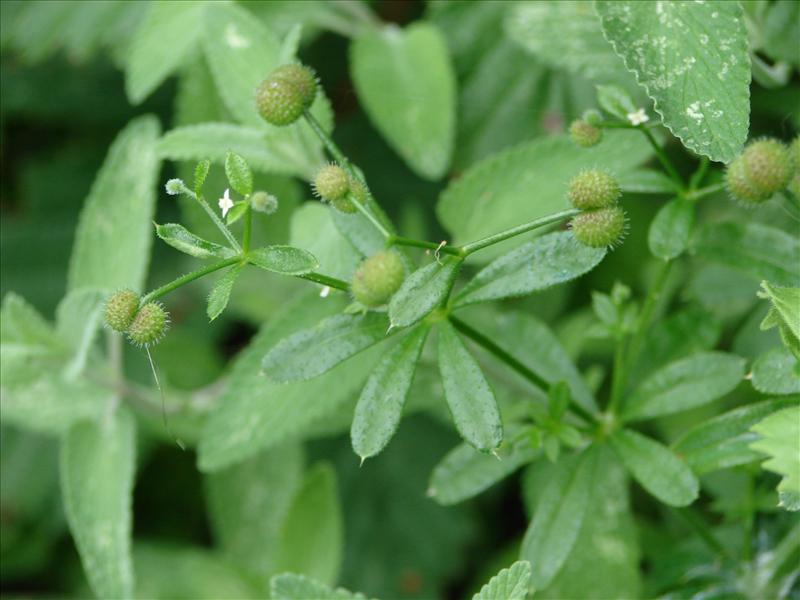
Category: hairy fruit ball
[331,183]
[263,202]
[585,134]
[149,325]
[121,309]
[378,278]
[288,91]
[600,228]
[593,189]
[765,167]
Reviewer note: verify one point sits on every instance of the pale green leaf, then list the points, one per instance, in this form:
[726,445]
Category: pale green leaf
[312,228]
[290,44]
[549,260]
[646,181]
[780,440]
[615,100]
[78,318]
[509,584]
[786,301]
[406,84]
[468,394]
[724,441]
[285,260]
[289,586]
[113,238]
[656,468]
[360,232]
[671,229]
[776,372]
[97,474]
[559,516]
[693,60]
[221,292]
[167,35]
[237,212]
[184,240]
[311,352]
[200,174]
[686,383]
[380,405]
[423,291]
[239,174]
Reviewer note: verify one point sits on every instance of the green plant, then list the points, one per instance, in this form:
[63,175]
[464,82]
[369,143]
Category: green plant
[647,392]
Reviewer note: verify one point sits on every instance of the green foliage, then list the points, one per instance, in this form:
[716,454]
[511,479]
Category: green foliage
[184,240]
[423,291]
[779,434]
[508,584]
[671,229]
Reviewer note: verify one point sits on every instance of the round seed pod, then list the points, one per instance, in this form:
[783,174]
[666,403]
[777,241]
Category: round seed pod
[288,91]
[377,278]
[584,134]
[765,167]
[263,202]
[593,189]
[600,228]
[331,183]
[149,325]
[120,310]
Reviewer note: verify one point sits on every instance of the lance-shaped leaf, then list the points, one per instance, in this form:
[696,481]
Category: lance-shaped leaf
[97,473]
[671,229]
[239,174]
[549,260]
[314,351]
[381,402]
[221,292]
[508,584]
[200,174]
[285,260]
[184,240]
[685,384]
[471,400]
[423,291]
[777,372]
[559,516]
[779,435]
[656,468]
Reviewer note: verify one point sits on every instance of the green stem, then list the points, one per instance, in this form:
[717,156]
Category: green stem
[617,376]
[248,229]
[706,191]
[331,282]
[468,249]
[665,162]
[513,363]
[363,210]
[699,174]
[213,216]
[700,527]
[189,277]
[444,249]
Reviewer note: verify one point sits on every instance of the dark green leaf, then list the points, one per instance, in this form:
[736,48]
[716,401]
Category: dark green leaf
[423,291]
[221,292]
[285,260]
[239,174]
[184,240]
[671,229]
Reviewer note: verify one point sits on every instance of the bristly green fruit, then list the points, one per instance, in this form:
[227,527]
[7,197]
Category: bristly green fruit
[331,183]
[593,189]
[765,167]
[149,325]
[288,91]
[600,228]
[794,184]
[378,278]
[264,203]
[585,134]
[120,310]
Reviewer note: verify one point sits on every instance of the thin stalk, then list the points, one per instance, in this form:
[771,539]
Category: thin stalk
[444,249]
[665,162]
[248,229]
[468,249]
[331,282]
[184,279]
[617,375]
[706,191]
[363,210]
[701,528]
[513,363]
[699,174]
[213,216]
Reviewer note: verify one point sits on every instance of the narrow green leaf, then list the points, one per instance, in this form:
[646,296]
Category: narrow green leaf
[780,440]
[311,538]
[760,251]
[692,58]
[97,474]
[221,292]
[656,468]
[671,229]
[380,405]
[549,260]
[184,240]
[239,174]
[423,291]
[509,584]
[616,101]
[406,84]
[167,35]
[468,394]
[290,586]
[112,241]
[647,181]
[236,213]
[311,352]
[559,516]
[724,441]
[776,372]
[684,384]
[285,260]
[200,174]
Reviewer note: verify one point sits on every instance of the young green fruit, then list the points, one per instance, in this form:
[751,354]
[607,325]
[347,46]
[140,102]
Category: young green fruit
[794,184]
[331,183]
[377,278]
[593,189]
[288,91]
[600,228]
[149,325]
[263,202]
[585,134]
[765,167]
[121,309]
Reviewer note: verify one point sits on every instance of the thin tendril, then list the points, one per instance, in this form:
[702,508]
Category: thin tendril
[163,401]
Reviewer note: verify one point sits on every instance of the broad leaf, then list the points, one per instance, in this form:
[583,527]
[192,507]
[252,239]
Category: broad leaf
[312,228]
[549,260]
[684,384]
[406,84]
[290,586]
[311,352]
[97,473]
[423,291]
[656,468]
[776,372]
[671,229]
[468,394]
[112,242]
[239,175]
[221,292]
[615,100]
[381,402]
[692,58]
[508,584]
[184,240]
[780,440]
[285,260]
[78,319]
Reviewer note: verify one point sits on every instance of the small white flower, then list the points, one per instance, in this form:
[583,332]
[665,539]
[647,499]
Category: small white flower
[638,117]
[225,203]
[325,291]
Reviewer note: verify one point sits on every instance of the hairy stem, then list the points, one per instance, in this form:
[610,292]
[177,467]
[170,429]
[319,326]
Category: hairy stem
[248,229]
[213,216]
[189,277]
[468,249]
[706,191]
[443,248]
[665,162]
[331,282]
